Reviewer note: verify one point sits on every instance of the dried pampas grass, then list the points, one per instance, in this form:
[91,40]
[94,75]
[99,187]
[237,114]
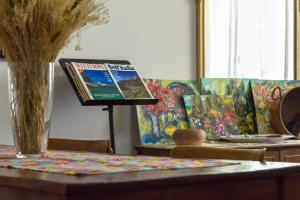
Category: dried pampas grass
[32,33]
[41,28]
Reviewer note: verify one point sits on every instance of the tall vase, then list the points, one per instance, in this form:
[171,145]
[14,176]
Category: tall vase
[31,100]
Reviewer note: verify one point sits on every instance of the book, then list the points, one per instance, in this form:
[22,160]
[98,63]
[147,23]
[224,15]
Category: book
[128,81]
[96,82]
[83,93]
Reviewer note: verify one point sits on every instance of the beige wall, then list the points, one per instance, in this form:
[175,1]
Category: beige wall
[157,36]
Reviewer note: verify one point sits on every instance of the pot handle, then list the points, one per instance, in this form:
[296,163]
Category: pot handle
[273,93]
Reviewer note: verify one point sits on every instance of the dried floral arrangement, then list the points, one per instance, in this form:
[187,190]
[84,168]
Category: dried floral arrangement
[32,33]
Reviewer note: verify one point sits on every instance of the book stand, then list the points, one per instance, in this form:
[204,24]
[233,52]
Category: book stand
[109,103]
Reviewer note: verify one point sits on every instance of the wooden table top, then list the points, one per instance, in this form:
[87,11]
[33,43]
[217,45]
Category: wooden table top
[285,143]
[71,185]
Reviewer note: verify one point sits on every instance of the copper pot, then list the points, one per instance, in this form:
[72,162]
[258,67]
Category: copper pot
[285,110]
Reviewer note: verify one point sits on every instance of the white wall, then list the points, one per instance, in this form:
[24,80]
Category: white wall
[157,36]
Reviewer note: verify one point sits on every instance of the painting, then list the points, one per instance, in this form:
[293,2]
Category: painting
[240,90]
[262,94]
[215,114]
[157,123]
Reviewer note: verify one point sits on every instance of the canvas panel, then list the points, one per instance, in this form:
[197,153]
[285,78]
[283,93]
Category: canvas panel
[240,90]
[262,91]
[212,113]
[157,123]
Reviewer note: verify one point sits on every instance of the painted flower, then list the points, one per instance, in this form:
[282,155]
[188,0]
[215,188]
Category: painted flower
[206,124]
[219,128]
[229,116]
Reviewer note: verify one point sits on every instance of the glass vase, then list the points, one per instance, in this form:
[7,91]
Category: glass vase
[31,100]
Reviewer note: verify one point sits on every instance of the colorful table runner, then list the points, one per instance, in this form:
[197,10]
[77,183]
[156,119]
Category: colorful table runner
[85,163]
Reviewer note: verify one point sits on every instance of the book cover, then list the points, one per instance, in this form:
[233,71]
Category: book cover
[79,86]
[97,81]
[129,81]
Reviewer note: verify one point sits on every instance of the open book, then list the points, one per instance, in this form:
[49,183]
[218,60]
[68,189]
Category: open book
[99,82]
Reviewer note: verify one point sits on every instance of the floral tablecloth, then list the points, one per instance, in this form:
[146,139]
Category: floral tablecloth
[85,163]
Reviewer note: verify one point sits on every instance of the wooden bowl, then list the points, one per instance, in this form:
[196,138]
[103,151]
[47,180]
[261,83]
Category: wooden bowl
[189,137]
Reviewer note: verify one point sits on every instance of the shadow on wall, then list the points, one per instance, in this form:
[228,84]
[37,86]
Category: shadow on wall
[126,129]
[135,129]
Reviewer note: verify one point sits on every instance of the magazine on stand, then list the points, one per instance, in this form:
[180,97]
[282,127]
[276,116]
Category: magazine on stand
[128,81]
[96,81]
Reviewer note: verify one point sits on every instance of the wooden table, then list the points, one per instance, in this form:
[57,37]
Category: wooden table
[286,151]
[248,180]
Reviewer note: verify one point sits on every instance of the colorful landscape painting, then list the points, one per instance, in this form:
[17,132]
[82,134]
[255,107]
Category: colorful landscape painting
[157,123]
[240,90]
[212,113]
[262,91]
